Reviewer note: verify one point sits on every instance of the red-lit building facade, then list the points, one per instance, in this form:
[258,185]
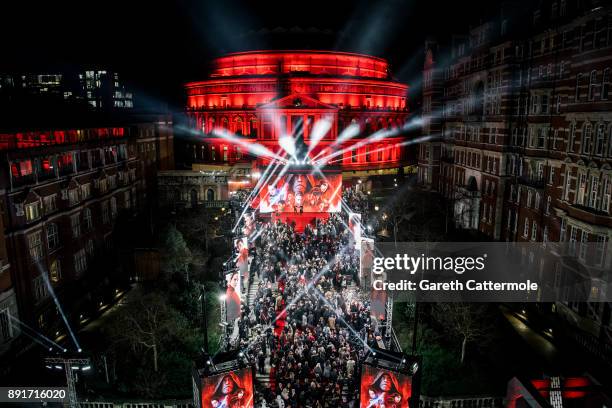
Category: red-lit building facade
[261,95]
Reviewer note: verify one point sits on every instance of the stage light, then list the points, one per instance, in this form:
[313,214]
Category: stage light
[86,368]
[359,181]
[222,297]
[288,144]
[369,192]
[79,350]
[414,367]
[375,208]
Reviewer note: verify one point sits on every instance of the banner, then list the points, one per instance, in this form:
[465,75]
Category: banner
[382,388]
[230,390]
[232,297]
[302,193]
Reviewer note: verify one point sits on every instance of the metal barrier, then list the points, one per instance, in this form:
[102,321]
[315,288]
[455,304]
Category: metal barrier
[137,404]
[484,401]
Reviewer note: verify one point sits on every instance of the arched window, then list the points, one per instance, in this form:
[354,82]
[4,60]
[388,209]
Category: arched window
[592,84]
[253,127]
[193,196]
[238,126]
[210,195]
[586,138]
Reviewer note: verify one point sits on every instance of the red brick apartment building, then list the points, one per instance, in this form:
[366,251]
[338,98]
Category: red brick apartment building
[520,114]
[62,193]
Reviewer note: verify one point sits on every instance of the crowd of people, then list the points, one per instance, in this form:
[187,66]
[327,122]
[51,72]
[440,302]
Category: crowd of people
[309,324]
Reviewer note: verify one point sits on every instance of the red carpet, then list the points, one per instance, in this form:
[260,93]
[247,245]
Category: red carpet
[300,220]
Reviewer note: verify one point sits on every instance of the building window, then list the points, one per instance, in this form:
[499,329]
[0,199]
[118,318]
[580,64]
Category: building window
[80,261]
[50,203]
[600,249]
[605,84]
[578,80]
[225,154]
[105,213]
[599,139]
[586,138]
[568,185]
[73,196]
[537,201]
[40,288]
[86,191]
[573,240]
[126,200]
[548,200]
[572,137]
[52,236]
[534,231]
[526,228]
[593,193]
[89,247]
[32,211]
[35,245]
[55,272]
[592,84]
[582,180]
[529,198]
[605,191]
[6,328]
[584,238]
[75,223]
[87,219]
[113,207]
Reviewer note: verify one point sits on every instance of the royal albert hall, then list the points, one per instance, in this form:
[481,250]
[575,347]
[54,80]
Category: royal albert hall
[261,95]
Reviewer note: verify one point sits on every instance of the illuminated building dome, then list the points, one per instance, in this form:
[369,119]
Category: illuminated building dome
[261,95]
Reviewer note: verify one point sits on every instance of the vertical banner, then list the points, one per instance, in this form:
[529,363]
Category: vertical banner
[382,388]
[241,246]
[232,297]
[354,224]
[230,390]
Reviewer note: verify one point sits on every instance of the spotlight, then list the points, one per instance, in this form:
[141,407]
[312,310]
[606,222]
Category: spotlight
[80,349]
[222,297]
[414,367]
[65,350]
[241,354]
[86,368]
[375,208]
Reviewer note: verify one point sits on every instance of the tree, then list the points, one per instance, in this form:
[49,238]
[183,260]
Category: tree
[145,322]
[177,255]
[466,321]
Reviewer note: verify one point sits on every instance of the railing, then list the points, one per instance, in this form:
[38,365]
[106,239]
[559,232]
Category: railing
[214,204]
[137,404]
[485,401]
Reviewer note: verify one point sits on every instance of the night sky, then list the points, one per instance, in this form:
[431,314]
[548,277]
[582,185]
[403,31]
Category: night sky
[158,47]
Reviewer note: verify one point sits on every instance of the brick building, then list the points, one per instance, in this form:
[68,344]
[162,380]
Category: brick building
[520,118]
[63,194]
